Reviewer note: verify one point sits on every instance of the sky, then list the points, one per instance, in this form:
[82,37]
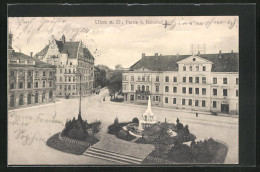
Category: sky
[122,40]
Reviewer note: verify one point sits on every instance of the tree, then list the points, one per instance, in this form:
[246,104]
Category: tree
[118,67]
[115,84]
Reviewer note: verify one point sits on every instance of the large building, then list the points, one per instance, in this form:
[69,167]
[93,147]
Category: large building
[203,82]
[30,80]
[72,60]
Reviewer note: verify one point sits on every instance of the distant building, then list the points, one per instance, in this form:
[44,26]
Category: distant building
[30,81]
[206,82]
[72,59]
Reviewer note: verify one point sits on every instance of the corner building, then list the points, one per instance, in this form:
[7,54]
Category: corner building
[207,82]
[72,60]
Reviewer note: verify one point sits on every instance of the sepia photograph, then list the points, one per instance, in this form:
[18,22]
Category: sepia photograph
[141,90]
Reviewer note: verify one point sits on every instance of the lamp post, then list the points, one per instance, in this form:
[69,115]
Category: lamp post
[79,116]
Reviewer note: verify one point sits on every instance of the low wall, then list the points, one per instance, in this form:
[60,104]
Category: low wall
[74,141]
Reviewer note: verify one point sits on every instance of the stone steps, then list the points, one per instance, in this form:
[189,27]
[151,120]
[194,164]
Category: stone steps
[112,156]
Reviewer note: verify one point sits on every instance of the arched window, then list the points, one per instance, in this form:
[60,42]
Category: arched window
[143,88]
[21,99]
[147,88]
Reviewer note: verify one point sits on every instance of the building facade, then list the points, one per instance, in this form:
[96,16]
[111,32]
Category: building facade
[207,82]
[30,81]
[73,61]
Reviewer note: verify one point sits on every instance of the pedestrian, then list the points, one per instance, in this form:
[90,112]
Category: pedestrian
[197,114]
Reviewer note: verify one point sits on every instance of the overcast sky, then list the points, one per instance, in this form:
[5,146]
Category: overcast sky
[122,40]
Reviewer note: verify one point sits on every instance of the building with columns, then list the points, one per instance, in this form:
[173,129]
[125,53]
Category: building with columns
[73,61]
[30,81]
[202,82]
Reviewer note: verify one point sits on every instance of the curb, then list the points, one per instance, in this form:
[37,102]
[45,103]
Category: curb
[74,141]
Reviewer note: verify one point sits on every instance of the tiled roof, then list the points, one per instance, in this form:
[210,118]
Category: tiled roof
[21,56]
[229,62]
[70,48]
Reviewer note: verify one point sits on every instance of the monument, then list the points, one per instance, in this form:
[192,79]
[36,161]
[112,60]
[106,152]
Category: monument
[148,117]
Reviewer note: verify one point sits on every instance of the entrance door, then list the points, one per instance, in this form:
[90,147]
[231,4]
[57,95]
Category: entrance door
[224,108]
[132,97]
[36,97]
[12,101]
[29,99]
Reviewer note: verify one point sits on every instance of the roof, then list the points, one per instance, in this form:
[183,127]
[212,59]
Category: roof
[229,62]
[21,56]
[70,48]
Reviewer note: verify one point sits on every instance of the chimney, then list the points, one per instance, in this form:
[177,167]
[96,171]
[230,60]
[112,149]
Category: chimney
[143,55]
[63,39]
[220,52]
[231,51]
[31,54]
[156,54]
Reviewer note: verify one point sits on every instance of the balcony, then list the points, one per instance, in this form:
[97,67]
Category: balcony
[142,92]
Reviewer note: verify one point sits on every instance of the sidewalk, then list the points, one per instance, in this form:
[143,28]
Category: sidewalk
[173,109]
[35,106]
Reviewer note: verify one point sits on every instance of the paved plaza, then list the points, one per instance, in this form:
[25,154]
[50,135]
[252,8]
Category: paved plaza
[29,129]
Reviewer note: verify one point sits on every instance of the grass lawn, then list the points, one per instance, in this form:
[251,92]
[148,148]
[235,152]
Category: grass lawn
[68,147]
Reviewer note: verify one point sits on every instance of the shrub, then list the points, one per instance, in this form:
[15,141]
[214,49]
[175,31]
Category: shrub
[186,130]
[125,135]
[95,127]
[135,120]
[179,126]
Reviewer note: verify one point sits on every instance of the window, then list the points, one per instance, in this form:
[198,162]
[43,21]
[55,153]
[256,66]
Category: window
[65,87]
[196,103]
[157,78]
[203,103]
[139,78]
[184,79]
[60,87]
[73,79]
[237,93]
[148,78]
[203,91]
[132,78]
[224,80]
[12,73]
[237,81]
[143,78]
[190,79]
[166,99]
[214,104]
[60,79]
[197,68]
[204,68]
[190,102]
[69,87]
[69,79]
[215,80]
[36,73]
[183,101]
[190,90]
[36,84]
[197,91]
[174,79]
[143,88]
[138,87]
[70,63]
[43,84]
[21,85]
[224,92]
[29,73]
[75,71]
[50,73]
[197,80]
[60,70]
[215,92]
[204,80]
[142,97]
[184,90]
[156,98]
[139,97]
[147,88]
[50,83]
[29,85]
[174,100]
[184,68]
[12,86]
[167,79]
[190,68]
[132,87]
[157,88]
[43,73]
[175,89]
[69,71]
[166,89]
